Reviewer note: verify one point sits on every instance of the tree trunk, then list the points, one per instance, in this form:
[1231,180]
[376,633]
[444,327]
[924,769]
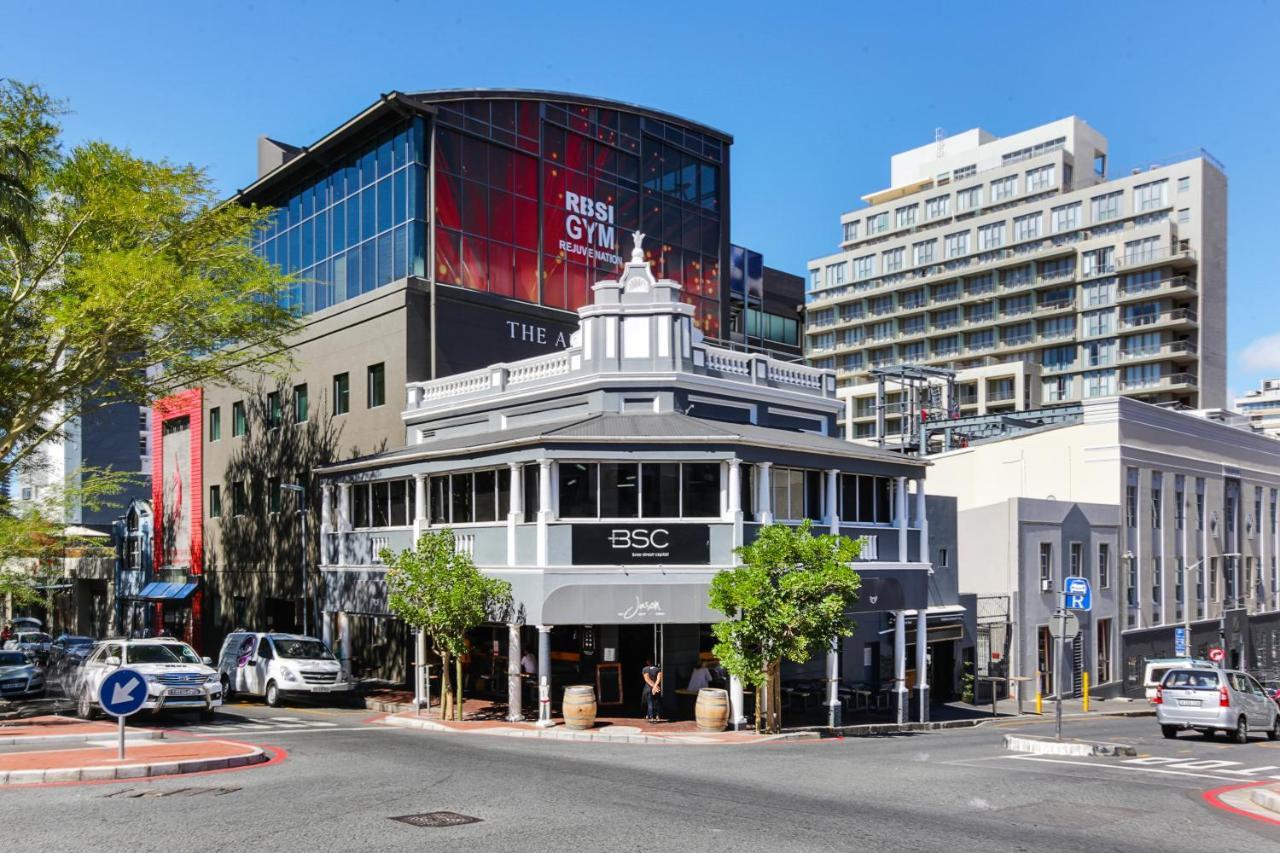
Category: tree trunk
[759,706]
[458,663]
[446,694]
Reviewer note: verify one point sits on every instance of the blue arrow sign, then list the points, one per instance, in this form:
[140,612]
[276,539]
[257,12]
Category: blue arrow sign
[1077,594]
[122,693]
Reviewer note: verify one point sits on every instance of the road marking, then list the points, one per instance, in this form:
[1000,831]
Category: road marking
[1201,764]
[1113,767]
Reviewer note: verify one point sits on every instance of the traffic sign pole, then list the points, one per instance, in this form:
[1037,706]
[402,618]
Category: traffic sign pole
[120,719]
[121,693]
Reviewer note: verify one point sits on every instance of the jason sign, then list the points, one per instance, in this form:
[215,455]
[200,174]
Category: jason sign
[589,229]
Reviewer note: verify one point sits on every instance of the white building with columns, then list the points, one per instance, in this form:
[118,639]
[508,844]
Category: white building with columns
[609,483]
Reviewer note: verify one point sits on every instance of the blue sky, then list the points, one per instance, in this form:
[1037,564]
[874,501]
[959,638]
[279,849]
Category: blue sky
[817,96]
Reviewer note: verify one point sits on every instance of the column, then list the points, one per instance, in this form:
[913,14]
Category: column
[344,641]
[544,676]
[326,508]
[515,684]
[544,507]
[922,664]
[764,493]
[734,502]
[922,522]
[900,506]
[737,718]
[517,510]
[833,500]
[326,628]
[344,522]
[900,697]
[419,506]
[420,668]
[835,711]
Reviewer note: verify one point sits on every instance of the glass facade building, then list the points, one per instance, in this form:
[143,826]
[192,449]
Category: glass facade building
[519,195]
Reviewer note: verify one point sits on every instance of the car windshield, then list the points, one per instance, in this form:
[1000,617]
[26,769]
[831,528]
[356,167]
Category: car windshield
[183,652]
[301,649]
[150,654]
[1192,679]
[35,638]
[71,642]
[13,659]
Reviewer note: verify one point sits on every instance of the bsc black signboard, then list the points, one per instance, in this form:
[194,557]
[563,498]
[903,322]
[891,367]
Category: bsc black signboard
[641,544]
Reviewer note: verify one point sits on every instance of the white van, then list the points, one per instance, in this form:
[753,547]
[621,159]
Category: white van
[1158,668]
[272,665]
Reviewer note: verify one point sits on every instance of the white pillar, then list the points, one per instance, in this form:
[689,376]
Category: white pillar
[516,512]
[833,500]
[326,508]
[834,708]
[420,669]
[922,522]
[900,503]
[344,522]
[419,506]
[733,504]
[515,684]
[900,665]
[922,664]
[344,641]
[544,507]
[764,493]
[544,676]
[326,628]
[736,716]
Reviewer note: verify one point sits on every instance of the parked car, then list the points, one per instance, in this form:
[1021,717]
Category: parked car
[1157,668]
[36,643]
[172,681]
[69,650]
[275,665]
[20,676]
[1211,700]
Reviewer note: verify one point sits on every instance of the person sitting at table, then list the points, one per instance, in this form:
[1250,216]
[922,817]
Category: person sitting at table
[529,663]
[701,676]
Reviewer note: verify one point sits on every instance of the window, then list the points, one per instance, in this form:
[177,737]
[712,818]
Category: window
[1107,207]
[341,393]
[990,236]
[1004,188]
[275,413]
[850,231]
[239,420]
[1157,499]
[1066,217]
[215,424]
[905,217]
[1184,183]
[1046,563]
[877,223]
[239,498]
[1040,179]
[215,501]
[1199,503]
[1057,389]
[970,199]
[1184,215]
[300,409]
[836,273]
[923,253]
[377,377]
[964,172]
[1139,251]
[1027,227]
[942,558]
[1149,196]
[865,499]
[1104,565]
[1179,502]
[956,245]
[1099,322]
[1131,505]
[1077,560]
[1058,357]
[936,208]
[864,267]
[273,494]
[1099,353]
[647,490]
[815,279]
[1104,675]
[894,259]
[1099,293]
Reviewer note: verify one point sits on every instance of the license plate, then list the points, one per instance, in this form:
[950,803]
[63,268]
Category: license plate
[183,691]
[1189,703]
[325,688]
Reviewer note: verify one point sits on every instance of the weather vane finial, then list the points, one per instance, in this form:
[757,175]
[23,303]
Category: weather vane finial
[637,246]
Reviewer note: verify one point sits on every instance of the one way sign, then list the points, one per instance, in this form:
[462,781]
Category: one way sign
[1077,594]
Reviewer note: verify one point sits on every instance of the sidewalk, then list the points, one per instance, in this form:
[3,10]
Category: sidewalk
[77,751]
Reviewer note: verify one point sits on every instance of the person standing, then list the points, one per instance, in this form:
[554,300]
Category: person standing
[651,695]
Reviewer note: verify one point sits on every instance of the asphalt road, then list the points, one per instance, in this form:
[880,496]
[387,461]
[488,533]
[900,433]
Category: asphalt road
[343,779]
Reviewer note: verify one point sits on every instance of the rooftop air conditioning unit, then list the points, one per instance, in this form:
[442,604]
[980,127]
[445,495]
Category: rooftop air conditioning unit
[1046,585]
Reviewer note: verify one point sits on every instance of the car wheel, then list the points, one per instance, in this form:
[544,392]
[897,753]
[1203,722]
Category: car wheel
[1240,734]
[1169,732]
[226,689]
[273,695]
[1273,733]
[84,707]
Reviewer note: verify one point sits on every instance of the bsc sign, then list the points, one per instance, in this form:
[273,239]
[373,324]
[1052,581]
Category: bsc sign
[1077,594]
[122,693]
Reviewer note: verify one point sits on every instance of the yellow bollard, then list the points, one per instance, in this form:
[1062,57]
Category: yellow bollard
[1039,702]
[1085,676]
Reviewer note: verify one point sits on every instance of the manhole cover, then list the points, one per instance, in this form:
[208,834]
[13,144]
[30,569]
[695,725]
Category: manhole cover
[437,819]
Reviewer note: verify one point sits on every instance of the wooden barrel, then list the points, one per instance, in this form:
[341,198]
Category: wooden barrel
[579,706]
[712,709]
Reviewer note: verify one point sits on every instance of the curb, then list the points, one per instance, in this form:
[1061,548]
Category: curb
[133,734]
[1036,746]
[1267,798]
[132,771]
[562,733]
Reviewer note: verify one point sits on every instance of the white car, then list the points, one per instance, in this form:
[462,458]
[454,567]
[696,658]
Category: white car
[177,679]
[270,665]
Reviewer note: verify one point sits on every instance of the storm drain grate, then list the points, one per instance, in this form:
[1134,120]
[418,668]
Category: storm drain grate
[437,819]
[138,793]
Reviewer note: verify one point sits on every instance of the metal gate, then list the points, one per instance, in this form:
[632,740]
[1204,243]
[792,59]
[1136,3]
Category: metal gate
[1077,664]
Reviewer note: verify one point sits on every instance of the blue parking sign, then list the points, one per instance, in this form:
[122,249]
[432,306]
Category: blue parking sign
[1077,594]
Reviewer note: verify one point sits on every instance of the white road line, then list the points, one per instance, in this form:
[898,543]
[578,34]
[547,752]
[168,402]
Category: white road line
[1116,767]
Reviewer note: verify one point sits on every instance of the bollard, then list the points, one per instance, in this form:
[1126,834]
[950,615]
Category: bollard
[1039,702]
[1085,683]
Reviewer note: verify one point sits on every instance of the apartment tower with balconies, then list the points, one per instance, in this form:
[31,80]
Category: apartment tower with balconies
[1022,259]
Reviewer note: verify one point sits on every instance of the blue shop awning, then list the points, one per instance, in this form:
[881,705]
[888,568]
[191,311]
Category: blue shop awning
[161,591]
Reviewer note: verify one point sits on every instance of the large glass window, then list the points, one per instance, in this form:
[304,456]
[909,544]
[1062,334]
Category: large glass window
[660,490]
[648,490]
[701,489]
[619,489]
[578,490]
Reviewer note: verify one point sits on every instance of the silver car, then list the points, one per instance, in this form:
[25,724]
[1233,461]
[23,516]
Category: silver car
[1210,700]
[20,676]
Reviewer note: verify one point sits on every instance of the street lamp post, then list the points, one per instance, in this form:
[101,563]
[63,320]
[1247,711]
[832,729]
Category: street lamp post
[302,513]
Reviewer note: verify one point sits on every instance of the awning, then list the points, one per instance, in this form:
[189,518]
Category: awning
[161,591]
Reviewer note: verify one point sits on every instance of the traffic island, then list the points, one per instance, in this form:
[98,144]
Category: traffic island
[1045,746]
[1257,800]
[52,730]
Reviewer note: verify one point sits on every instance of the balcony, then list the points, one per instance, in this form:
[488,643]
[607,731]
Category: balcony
[1017,341]
[1057,304]
[1171,318]
[1154,257]
[1173,349]
[1001,394]
[1016,311]
[1171,382]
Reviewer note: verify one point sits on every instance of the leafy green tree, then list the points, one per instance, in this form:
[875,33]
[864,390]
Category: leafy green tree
[440,592]
[786,602]
[121,279]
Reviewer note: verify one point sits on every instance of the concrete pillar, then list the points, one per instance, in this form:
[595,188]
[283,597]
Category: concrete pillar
[833,500]
[835,711]
[733,503]
[516,512]
[544,508]
[922,665]
[326,628]
[764,493]
[326,508]
[419,506]
[900,507]
[420,669]
[737,718]
[544,676]
[922,522]
[344,641]
[900,697]
[515,684]
[344,522]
